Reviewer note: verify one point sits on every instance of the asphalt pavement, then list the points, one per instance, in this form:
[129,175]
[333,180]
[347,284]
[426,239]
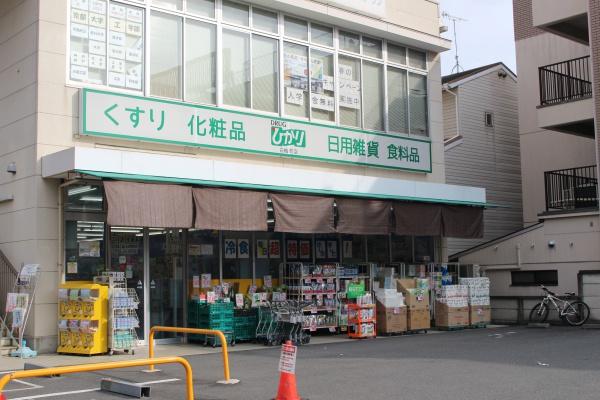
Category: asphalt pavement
[503,363]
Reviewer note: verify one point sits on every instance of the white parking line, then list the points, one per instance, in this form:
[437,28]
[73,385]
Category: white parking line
[31,386]
[41,396]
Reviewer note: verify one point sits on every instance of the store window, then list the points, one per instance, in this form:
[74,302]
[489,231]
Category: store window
[373,96]
[417,59]
[424,249]
[265,71]
[264,20]
[175,5]
[236,68]
[107,44]
[534,278]
[269,254]
[349,42]
[203,254]
[296,28]
[84,198]
[165,55]
[203,8]
[402,249]
[295,61]
[349,91]
[378,249]
[322,86]
[237,255]
[84,250]
[322,35]
[372,47]
[396,54]
[397,100]
[235,13]
[354,249]
[200,62]
[418,103]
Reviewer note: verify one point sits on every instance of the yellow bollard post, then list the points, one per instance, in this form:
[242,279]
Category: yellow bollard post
[200,331]
[34,373]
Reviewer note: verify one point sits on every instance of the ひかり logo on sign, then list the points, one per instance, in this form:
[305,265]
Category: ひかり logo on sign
[281,136]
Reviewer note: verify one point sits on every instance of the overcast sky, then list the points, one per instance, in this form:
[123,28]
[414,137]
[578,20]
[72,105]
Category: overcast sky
[485,38]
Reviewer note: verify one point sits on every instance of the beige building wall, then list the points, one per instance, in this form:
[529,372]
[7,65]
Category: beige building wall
[544,150]
[39,116]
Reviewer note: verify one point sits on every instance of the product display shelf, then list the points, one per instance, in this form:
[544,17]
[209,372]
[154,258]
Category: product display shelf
[345,274]
[362,321]
[82,318]
[123,317]
[316,283]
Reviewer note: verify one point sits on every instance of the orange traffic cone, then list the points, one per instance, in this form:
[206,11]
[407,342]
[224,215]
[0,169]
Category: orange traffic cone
[287,384]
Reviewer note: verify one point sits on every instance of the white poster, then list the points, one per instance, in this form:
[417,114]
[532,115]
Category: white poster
[97,62]
[79,73]
[328,83]
[117,11]
[133,55]
[116,65]
[72,267]
[116,52]
[98,48]
[29,270]
[80,31]
[322,102]
[347,249]
[116,38]
[98,34]
[98,6]
[243,248]
[79,58]
[134,29]
[206,249]
[267,281]
[345,71]
[79,16]
[262,248]
[239,300]
[274,249]
[134,14]
[81,4]
[97,20]
[116,79]
[230,248]
[196,281]
[294,96]
[206,280]
[117,25]
[89,249]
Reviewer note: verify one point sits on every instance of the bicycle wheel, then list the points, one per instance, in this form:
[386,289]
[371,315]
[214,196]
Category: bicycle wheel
[539,313]
[576,313]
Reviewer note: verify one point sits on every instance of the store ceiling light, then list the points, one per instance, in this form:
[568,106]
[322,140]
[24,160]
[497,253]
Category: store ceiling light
[80,190]
[95,199]
[125,230]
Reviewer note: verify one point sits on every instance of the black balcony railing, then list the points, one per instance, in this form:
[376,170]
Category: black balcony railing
[565,81]
[571,189]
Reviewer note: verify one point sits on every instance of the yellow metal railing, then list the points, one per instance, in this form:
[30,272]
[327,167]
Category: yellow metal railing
[198,331]
[72,369]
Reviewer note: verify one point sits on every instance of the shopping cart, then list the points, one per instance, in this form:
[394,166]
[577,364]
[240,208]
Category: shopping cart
[285,323]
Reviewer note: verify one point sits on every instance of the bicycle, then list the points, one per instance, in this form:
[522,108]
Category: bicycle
[575,313]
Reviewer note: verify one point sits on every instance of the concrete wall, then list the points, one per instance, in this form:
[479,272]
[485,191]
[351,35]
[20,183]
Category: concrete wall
[488,156]
[576,248]
[39,116]
[543,150]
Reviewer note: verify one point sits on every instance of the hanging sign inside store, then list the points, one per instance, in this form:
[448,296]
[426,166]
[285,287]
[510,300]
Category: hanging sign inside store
[131,117]
[375,8]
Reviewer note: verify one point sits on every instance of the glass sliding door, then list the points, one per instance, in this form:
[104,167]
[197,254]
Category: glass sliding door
[166,262]
[127,255]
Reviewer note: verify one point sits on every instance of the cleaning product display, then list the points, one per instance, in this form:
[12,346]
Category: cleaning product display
[480,312]
[353,280]
[82,318]
[452,307]
[362,318]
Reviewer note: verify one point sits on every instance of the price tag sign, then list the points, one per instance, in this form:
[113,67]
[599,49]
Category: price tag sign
[239,300]
[287,360]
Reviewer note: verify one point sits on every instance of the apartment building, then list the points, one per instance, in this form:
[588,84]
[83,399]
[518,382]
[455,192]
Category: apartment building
[558,63]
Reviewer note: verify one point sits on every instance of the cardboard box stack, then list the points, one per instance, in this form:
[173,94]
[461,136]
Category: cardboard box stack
[391,311]
[452,307]
[480,311]
[416,297]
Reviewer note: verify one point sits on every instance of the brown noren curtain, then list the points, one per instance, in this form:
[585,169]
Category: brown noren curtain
[148,205]
[462,222]
[418,219]
[230,210]
[303,214]
[364,217]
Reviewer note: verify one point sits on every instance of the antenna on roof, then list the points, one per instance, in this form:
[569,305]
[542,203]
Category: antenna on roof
[454,18]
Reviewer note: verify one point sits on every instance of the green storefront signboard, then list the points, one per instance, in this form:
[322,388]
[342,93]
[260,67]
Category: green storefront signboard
[132,117]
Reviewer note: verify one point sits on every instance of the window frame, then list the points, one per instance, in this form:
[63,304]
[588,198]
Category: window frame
[488,119]
[536,281]
[220,24]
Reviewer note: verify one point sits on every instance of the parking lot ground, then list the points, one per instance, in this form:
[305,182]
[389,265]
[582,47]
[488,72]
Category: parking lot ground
[504,363]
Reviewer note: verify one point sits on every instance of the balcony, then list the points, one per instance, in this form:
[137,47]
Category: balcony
[567,18]
[571,189]
[566,103]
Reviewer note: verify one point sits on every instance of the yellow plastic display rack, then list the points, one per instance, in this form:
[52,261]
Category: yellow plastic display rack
[82,318]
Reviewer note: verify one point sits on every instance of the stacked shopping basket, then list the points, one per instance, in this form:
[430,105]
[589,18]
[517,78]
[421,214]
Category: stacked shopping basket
[218,316]
[244,324]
